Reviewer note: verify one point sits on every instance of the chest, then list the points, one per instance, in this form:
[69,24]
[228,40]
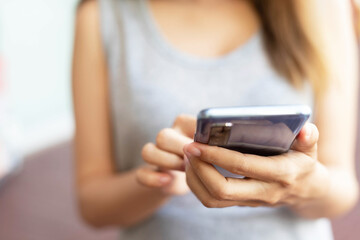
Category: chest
[208,29]
[173,86]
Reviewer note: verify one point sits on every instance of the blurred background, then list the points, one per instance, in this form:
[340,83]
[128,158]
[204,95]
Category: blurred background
[36,127]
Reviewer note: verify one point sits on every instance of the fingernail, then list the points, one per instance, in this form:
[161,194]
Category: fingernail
[192,151]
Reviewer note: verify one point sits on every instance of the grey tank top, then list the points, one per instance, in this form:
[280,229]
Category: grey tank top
[151,82]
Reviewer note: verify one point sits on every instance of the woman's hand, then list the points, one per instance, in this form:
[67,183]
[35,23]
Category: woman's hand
[291,179]
[165,169]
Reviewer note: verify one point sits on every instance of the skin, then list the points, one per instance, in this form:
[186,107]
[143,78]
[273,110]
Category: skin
[310,179]
[295,179]
[316,178]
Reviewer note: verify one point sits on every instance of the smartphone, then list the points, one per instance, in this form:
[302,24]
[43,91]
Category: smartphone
[260,130]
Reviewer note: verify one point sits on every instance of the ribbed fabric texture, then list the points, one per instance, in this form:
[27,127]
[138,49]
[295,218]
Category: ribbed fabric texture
[151,82]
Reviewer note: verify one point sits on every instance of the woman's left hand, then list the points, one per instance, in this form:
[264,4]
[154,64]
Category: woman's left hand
[292,179]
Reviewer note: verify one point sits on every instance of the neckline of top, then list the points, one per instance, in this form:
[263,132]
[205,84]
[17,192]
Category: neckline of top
[161,43]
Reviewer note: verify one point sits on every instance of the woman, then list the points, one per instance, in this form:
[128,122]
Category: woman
[139,66]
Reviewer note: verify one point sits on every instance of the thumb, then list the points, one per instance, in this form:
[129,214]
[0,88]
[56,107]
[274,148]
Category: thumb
[306,140]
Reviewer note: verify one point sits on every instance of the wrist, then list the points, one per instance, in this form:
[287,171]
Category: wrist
[316,188]
[333,199]
[322,183]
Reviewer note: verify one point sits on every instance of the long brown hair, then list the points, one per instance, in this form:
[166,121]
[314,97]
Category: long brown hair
[288,45]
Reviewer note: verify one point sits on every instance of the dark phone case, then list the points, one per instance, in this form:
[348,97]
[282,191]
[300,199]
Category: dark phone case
[267,134]
[265,130]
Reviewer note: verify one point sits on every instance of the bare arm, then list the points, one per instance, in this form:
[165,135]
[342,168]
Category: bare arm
[317,178]
[105,197]
[331,25]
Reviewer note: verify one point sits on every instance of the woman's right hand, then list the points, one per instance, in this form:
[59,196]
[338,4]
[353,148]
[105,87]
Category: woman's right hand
[165,159]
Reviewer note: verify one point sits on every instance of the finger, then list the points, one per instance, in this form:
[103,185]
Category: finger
[253,166]
[245,191]
[152,178]
[185,124]
[306,141]
[202,193]
[178,186]
[212,180]
[172,141]
[155,156]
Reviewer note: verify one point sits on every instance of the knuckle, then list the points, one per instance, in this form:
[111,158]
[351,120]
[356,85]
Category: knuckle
[221,192]
[310,163]
[146,151]
[288,180]
[270,194]
[179,120]
[272,200]
[287,174]
[139,173]
[162,136]
[209,203]
[241,167]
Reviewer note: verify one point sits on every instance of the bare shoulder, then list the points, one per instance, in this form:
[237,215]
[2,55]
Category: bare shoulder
[331,26]
[331,17]
[90,95]
[338,7]
[88,45]
[87,14]
[87,8]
